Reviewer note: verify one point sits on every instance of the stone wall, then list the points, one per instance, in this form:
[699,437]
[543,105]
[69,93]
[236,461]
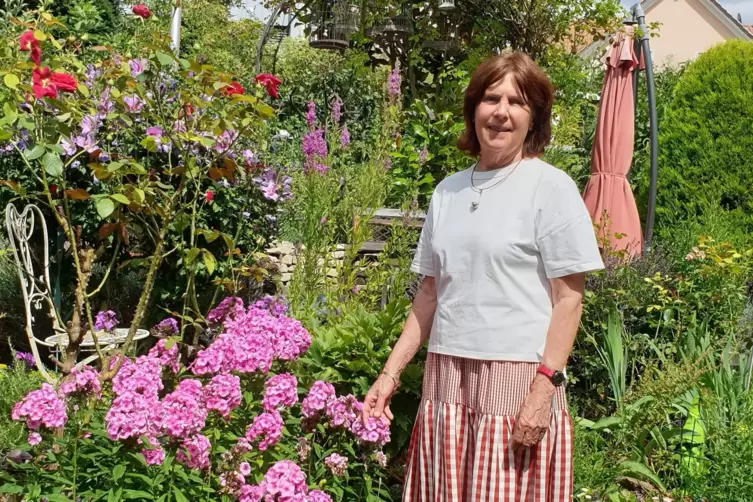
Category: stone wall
[283,255]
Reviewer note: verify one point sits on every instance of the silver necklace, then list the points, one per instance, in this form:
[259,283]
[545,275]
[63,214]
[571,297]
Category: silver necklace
[475,204]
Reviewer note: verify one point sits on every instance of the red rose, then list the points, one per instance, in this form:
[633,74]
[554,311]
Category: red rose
[28,42]
[36,54]
[142,11]
[43,84]
[270,82]
[233,88]
[64,82]
[209,196]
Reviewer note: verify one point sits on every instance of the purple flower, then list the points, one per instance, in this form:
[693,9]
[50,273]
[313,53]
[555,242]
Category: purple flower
[68,146]
[89,125]
[133,103]
[249,157]
[167,327]
[228,307]
[86,142]
[344,137]
[179,126]
[106,321]
[138,66]
[423,155]
[26,357]
[154,131]
[311,114]
[393,82]
[269,190]
[337,106]
[225,141]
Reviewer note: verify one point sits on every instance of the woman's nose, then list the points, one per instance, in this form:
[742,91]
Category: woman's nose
[502,109]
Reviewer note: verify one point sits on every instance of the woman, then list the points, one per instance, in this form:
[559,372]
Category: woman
[504,252]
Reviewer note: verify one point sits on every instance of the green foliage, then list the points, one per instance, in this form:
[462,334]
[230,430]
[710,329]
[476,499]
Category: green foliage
[16,381]
[705,138]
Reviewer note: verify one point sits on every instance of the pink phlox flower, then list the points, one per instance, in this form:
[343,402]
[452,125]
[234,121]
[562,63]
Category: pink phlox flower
[267,425]
[252,493]
[144,376]
[376,431]
[223,394]
[154,455]
[285,480]
[183,411]
[42,407]
[133,415]
[318,496]
[169,358]
[83,380]
[34,438]
[195,453]
[336,463]
[318,397]
[228,307]
[280,391]
[343,411]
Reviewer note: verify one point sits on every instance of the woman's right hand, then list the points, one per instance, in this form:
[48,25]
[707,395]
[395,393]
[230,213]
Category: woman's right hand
[377,400]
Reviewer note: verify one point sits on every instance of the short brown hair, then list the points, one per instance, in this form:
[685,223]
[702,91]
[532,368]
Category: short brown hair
[535,87]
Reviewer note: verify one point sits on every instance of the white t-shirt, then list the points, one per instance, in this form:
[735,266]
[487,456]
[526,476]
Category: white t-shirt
[492,265]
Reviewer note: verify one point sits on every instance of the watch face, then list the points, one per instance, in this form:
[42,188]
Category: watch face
[558,378]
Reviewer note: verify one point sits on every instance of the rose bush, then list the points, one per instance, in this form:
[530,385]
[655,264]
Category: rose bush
[136,159]
[227,425]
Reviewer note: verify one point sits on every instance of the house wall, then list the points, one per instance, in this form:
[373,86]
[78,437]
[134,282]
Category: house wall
[687,29]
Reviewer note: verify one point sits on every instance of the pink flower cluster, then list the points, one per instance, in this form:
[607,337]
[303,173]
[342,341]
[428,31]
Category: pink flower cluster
[195,453]
[143,376]
[183,411]
[316,401]
[281,391]
[252,338]
[41,408]
[227,308]
[223,394]
[376,431]
[169,358]
[285,480]
[84,381]
[135,411]
[337,464]
[345,412]
[267,425]
[154,455]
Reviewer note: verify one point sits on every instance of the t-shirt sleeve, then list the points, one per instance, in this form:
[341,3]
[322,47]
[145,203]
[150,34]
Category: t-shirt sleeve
[423,260]
[564,231]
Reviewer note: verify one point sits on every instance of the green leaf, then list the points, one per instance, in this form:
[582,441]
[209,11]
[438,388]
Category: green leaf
[118,472]
[179,497]
[105,207]
[56,497]
[136,494]
[83,90]
[52,164]
[209,261]
[6,488]
[34,153]
[643,470]
[11,81]
[164,59]
[120,198]
[191,255]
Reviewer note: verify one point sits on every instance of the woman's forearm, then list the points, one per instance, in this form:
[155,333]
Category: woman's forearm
[416,330]
[567,294]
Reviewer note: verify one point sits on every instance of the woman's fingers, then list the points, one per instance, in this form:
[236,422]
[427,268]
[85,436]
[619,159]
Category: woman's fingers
[388,413]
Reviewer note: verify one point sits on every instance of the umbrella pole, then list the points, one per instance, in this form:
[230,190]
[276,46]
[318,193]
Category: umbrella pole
[640,17]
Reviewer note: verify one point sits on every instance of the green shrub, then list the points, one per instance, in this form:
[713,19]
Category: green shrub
[15,382]
[705,141]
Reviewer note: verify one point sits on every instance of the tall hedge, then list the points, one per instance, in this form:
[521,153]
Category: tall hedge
[706,139]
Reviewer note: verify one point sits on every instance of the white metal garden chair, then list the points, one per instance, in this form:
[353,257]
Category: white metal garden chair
[37,290]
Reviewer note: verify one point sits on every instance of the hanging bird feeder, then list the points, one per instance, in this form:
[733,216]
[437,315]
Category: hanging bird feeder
[327,31]
[446,5]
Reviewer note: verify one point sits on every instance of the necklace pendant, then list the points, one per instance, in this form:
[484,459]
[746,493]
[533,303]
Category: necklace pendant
[474,206]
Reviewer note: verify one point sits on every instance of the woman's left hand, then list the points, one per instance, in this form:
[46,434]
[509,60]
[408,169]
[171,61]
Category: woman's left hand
[532,421]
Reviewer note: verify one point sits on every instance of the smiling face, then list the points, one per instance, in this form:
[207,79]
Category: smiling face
[502,121]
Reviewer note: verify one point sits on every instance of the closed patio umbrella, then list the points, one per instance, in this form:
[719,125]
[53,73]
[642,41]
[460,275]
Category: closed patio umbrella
[608,193]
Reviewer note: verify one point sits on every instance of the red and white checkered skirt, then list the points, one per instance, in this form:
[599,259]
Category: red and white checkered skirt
[461,447]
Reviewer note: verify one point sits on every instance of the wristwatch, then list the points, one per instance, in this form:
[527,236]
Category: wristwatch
[557,377]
